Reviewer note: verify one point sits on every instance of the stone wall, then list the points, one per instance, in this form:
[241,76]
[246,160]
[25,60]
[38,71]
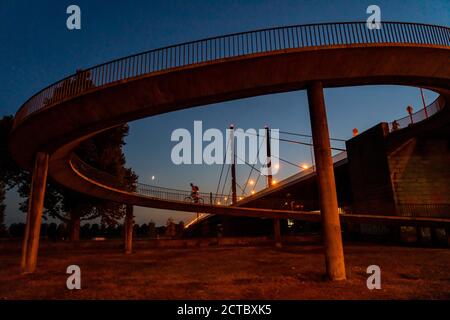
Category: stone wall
[420,175]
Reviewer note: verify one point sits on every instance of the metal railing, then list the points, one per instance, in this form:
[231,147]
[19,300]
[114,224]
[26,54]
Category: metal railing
[433,108]
[176,195]
[230,46]
[155,192]
[424,210]
[168,194]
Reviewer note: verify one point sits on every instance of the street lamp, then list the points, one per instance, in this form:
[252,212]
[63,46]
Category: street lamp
[409,109]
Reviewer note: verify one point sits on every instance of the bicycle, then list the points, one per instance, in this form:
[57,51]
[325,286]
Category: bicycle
[196,200]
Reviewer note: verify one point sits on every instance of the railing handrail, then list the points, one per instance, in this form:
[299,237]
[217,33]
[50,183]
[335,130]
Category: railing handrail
[85,169]
[176,191]
[437,105]
[323,34]
[248,32]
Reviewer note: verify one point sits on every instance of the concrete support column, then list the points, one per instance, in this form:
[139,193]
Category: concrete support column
[128,232]
[277,233]
[34,217]
[334,253]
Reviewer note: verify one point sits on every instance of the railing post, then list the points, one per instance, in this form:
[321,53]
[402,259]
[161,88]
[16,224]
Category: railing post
[409,109]
[424,104]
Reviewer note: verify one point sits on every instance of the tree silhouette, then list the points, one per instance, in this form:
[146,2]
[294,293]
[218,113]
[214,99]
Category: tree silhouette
[103,151]
[179,229]
[51,231]
[11,175]
[152,229]
[143,230]
[95,230]
[170,228]
[8,168]
[61,231]
[16,230]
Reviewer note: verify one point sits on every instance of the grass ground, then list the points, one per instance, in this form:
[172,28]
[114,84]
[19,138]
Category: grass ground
[250,272]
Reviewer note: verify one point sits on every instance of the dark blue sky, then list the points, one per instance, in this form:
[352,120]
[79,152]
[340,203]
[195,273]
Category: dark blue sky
[37,49]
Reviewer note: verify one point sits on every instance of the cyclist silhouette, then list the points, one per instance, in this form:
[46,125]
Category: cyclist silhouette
[194,192]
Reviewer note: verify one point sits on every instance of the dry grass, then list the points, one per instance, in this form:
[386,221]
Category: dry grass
[294,272]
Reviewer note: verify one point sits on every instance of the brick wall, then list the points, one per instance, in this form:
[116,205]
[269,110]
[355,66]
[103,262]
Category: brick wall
[420,175]
[411,179]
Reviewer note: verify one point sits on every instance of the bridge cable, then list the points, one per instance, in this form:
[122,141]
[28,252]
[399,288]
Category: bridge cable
[254,168]
[286,161]
[307,144]
[243,193]
[229,194]
[307,135]
[221,171]
[300,142]
[226,178]
[250,165]
[251,171]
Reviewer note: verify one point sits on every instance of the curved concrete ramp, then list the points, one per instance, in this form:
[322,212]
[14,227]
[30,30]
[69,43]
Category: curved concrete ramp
[50,125]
